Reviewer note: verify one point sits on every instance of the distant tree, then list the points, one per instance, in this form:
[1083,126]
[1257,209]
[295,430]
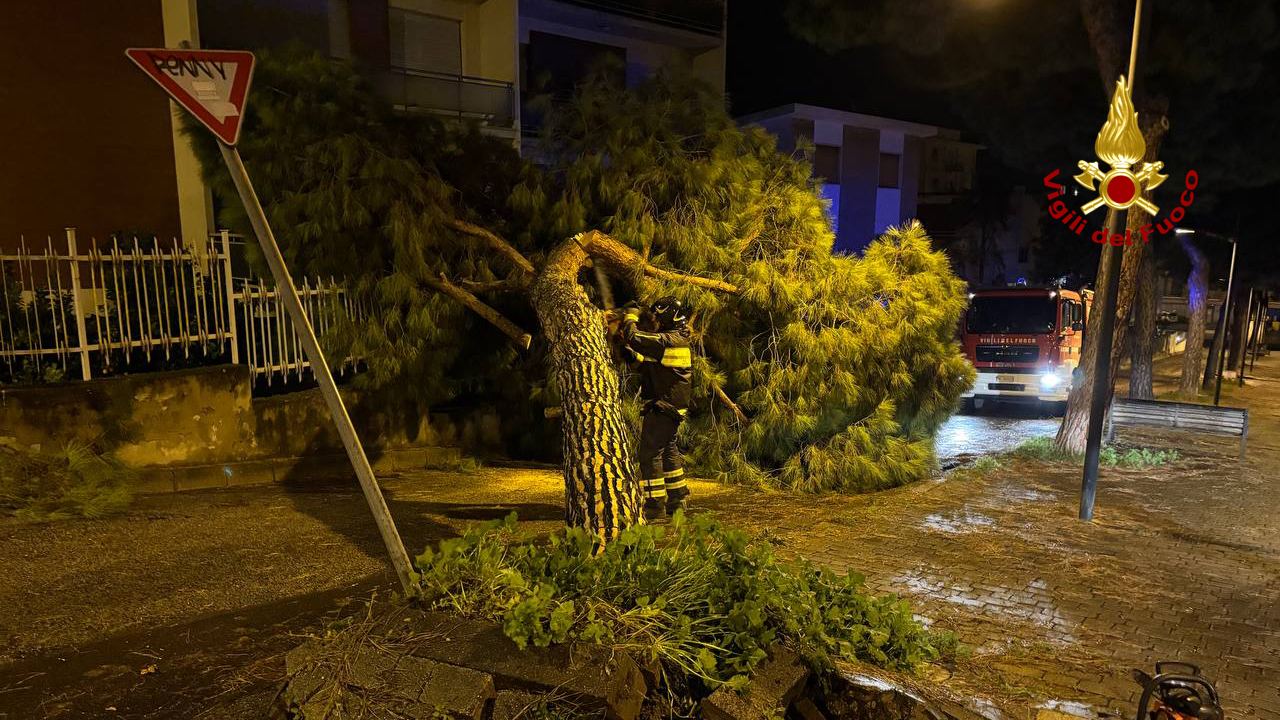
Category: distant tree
[1216,92]
[1197,318]
[816,372]
[1145,316]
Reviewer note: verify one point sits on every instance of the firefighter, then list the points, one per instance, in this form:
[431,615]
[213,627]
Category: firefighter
[661,349]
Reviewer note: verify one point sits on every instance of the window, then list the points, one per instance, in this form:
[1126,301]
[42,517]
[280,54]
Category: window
[1065,314]
[1012,314]
[1077,313]
[889,169]
[425,42]
[557,64]
[826,163]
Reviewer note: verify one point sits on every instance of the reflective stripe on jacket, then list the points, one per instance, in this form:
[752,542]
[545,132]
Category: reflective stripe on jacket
[665,365]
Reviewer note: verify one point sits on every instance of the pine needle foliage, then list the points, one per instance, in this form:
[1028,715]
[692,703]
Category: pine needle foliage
[357,191]
[73,482]
[844,365]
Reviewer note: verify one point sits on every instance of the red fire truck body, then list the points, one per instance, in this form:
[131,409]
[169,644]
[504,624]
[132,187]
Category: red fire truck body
[1025,342]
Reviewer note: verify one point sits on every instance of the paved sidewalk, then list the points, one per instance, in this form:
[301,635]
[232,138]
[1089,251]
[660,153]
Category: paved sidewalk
[1183,562]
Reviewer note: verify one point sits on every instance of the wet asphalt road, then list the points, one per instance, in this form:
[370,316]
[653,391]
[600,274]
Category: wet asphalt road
[990,431]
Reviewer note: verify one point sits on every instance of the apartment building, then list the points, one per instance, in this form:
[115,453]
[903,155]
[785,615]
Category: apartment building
[876,171]
[117,161]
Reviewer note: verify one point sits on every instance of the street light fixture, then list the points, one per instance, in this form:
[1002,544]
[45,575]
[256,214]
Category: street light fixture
[1220,337]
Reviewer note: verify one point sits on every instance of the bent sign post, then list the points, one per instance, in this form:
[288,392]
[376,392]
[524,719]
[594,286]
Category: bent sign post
[213,85]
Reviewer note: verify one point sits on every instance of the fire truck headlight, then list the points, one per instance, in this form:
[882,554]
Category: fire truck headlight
[1050,380]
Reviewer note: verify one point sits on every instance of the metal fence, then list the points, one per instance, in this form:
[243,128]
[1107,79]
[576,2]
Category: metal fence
[146,304]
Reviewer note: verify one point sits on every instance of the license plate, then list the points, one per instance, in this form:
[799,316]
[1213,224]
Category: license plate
[1006,378]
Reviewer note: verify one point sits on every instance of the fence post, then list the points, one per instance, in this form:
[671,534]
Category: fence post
[77,307]
[229,289]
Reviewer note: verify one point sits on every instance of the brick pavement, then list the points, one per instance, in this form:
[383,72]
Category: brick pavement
[1182,562]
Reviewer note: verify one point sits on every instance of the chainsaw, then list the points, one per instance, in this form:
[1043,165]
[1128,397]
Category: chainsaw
[1177,692]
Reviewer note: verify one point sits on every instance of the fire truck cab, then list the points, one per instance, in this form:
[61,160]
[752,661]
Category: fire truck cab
[1025,342]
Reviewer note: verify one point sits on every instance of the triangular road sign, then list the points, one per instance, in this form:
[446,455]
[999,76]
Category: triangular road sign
[210,84]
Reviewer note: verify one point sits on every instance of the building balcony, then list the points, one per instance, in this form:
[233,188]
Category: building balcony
[490,102]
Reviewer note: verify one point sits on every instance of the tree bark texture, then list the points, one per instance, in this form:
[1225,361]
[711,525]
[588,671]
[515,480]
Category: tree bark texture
[602,492]
[1073,432]
[1107,28]
[1141,372]
[1197,317]
[1215,347]
[1240,310]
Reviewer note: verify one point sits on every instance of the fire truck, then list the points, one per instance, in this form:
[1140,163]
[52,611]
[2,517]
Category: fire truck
[1025,342]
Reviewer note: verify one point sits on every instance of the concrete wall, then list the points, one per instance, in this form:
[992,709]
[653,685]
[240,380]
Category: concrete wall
[859,182]
[208,416]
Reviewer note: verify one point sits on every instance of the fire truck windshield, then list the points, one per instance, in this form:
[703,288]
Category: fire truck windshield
[1012,314]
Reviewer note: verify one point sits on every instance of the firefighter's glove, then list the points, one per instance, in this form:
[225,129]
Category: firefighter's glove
[630,314]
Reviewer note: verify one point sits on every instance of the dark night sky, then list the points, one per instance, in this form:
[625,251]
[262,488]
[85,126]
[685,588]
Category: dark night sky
[1031,91]
[769,66]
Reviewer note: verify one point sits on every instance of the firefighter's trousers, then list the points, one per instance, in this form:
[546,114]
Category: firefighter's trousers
[661,468]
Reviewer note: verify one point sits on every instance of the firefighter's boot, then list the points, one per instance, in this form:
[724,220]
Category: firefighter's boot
[655,509]
[677,491]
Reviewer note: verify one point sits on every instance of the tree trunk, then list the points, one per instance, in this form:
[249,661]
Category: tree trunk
[602,492]
[1197,316]
[1239,323]
[1215,347]
[1144,331]
[1074,430]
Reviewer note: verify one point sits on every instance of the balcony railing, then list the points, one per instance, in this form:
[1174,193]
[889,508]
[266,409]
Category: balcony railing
[705,16]
[492,102]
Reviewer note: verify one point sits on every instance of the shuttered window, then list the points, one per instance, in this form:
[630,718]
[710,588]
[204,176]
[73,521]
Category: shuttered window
[425,42]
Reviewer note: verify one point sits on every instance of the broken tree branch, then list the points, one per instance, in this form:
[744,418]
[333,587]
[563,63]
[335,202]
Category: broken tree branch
[476,305]
[495,242]
[605,249]
[723,397]
[507,285]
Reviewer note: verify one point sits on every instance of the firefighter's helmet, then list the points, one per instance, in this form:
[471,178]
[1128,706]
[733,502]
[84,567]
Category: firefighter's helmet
[670,313]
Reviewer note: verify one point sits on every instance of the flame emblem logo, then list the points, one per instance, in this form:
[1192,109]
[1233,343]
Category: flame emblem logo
[1121,146]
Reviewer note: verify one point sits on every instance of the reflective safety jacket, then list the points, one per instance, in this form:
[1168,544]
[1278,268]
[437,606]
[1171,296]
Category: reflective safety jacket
[665,366]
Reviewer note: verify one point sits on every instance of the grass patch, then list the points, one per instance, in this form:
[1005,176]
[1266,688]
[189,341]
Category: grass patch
[1043,449]
[74,482]
[704,600]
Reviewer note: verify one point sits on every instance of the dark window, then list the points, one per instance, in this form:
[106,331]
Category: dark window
[889,169]
[803,129]
[826,163]
[557,63]
[1065,315]
[1012,314]
[1077,313]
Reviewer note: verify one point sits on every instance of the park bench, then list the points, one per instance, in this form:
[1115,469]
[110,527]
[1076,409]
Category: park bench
[1179,416]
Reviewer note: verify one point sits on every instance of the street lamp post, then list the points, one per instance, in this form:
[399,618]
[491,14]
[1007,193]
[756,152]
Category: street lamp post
[1112,256]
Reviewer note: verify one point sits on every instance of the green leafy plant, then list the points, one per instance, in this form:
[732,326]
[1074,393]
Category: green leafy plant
[75,482]
[1043,449]
[704,600]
